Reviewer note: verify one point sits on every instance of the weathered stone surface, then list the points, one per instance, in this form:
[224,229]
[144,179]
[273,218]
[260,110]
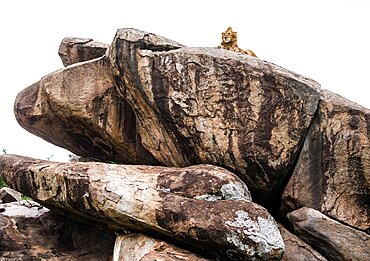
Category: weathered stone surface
[333,171]
[82,104]
[139,247]
[8,195]
[333,239]
[296,249]
[73,50]
[176,106]
[203,206]
[34,233]
[208,105]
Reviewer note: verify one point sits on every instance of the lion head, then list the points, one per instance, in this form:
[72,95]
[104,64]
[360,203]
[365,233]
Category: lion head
[229,37]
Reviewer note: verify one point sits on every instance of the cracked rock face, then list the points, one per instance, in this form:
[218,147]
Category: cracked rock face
[332,174]
[205,207]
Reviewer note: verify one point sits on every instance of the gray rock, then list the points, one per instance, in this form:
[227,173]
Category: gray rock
[155,199]
[8,195]
[334,240]
[332,174]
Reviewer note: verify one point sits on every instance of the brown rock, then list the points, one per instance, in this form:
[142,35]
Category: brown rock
[139,247]
[176,106]
[333,239]
[208,105]
[296,249]
[33,233]
[203,206]
[8,195]
[82,104]
[333,171]
[73,50]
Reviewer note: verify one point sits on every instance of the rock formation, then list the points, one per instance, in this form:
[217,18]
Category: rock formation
[185,139]
[332,174]
[31,232]
[152,102]
[204,206]
[296,249]
[335,240]
[74,50]
[91,118]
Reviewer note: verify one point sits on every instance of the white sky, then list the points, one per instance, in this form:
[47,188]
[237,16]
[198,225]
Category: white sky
[328,41]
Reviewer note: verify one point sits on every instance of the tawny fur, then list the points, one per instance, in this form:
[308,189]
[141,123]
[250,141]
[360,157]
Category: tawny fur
[230,42]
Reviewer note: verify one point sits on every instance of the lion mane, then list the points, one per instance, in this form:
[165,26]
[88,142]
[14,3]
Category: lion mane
[230,42]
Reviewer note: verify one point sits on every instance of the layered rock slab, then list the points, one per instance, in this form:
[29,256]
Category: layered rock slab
[332,174]
[30,232]
[296,249]
[334,240]
[78,108]
[140,247]
[73,50]
[207,105]
[203,206]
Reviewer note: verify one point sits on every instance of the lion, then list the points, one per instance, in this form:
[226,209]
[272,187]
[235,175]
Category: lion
[229,42]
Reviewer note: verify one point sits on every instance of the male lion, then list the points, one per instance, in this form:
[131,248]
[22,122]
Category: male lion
[229,42]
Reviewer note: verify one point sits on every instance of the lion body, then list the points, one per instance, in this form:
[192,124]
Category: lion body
[230,42]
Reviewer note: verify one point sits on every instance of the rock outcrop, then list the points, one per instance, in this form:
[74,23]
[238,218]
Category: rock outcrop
[332,174]
[153,101]
[207,105]
[203,206]
[194,135]
[73,50]
[31,232]
[333,239]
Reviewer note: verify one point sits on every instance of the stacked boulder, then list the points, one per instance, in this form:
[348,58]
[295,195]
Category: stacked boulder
[180,140]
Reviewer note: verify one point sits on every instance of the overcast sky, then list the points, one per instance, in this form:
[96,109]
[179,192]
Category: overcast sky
[328,41]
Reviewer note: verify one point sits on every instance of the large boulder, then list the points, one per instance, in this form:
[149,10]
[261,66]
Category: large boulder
[30,232]
[203,206]
[73,50]
[139,247]
[332,174]
[209,105]
[79,108]
[334,240]
[154,101]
